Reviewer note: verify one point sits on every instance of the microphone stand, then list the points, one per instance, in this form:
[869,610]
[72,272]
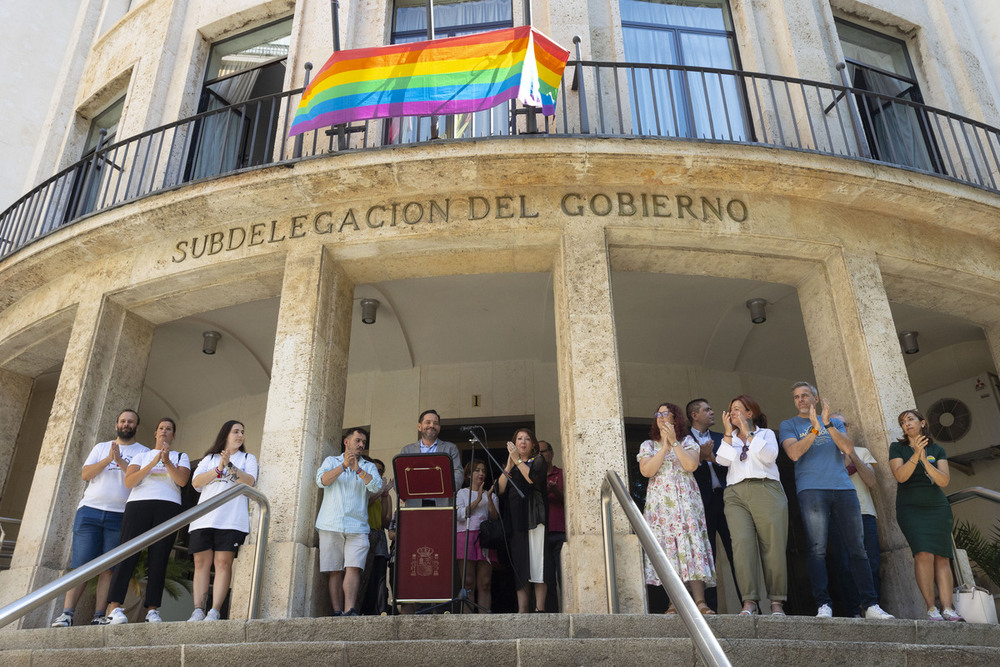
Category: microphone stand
[463,595]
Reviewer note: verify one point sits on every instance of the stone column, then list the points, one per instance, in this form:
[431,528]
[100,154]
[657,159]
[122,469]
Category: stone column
[102,373]
[13,404]
[860,370]
[992,333]
[305,406]
[592,430]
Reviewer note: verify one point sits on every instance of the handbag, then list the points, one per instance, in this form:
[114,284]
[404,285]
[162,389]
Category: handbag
[491,534]
[975,604]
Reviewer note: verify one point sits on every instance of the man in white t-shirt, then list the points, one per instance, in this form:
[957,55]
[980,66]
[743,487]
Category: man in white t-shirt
[98,522]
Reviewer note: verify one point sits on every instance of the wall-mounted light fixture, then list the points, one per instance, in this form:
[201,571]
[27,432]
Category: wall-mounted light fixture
[368,309]
[908,339]
[210,342]
[757,314]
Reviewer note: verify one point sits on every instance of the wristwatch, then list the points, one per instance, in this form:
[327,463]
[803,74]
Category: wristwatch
[813,430]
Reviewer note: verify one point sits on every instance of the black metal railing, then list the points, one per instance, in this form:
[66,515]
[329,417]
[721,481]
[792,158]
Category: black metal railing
[596,99]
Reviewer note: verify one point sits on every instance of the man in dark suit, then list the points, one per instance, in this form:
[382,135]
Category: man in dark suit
[428,428]
[711,479]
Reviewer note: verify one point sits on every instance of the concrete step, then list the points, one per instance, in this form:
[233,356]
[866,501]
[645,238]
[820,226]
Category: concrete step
[505,639]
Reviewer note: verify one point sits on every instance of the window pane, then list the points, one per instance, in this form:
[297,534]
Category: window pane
[106,120]
[708,14]
[896,132]
[249,50]
[873,49]
[451,17]
[689,104]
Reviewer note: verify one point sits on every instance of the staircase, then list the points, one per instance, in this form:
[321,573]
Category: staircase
[505,639]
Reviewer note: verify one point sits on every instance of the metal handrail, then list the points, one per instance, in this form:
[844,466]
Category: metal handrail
[35,599]
[602,99]
[971,493]
[704,639]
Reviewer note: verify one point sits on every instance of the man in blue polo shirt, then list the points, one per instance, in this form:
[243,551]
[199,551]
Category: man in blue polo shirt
[825,493]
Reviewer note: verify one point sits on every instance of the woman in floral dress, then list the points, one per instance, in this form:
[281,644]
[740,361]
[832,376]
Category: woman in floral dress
[674,508]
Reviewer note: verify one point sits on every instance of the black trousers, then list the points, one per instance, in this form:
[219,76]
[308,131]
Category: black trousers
[140,516]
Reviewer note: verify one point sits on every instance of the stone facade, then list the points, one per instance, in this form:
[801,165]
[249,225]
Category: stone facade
[850,238]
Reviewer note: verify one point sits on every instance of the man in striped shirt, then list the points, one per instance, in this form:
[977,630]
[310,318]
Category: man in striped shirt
[347,481]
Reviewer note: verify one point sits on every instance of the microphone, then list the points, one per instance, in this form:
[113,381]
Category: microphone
[469,428]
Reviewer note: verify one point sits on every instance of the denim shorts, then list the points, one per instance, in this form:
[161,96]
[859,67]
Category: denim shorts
[95,532]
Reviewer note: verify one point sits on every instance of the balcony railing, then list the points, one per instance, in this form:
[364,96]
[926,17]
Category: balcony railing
[597,99]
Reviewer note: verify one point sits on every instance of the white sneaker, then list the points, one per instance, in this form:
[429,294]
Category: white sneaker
[950,614]
[117,617]
[212,615]
[197,615]
[153,616]
[877,613]
[934,615]
[824,612]
[63,620]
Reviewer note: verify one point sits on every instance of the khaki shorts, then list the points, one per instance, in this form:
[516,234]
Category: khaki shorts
[340,550]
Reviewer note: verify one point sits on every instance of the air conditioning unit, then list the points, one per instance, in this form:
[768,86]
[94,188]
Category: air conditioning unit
[965,416]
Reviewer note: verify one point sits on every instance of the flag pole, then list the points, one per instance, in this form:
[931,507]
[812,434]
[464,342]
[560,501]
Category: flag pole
[335,19]
[532,119]
[430,36]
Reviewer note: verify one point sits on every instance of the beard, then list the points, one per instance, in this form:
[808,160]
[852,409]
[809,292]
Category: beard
[125,432]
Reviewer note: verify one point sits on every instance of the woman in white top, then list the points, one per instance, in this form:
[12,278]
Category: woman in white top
[474,504]
[155,479]
[755,505]
[216,537]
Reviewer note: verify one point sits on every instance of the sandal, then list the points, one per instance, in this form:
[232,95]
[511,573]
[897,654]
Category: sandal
[704,608]
[777,609]
[671,610]
[749,612]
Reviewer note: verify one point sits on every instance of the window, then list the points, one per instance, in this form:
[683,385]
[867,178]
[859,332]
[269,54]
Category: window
[896,132]
[675,103]
[242,68]
[451,18]
[88,179]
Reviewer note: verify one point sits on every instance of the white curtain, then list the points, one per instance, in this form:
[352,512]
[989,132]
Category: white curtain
[675,104]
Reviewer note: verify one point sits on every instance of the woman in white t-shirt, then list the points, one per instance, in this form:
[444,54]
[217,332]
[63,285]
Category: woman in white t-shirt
[475,504]
[216,537]
[155,479]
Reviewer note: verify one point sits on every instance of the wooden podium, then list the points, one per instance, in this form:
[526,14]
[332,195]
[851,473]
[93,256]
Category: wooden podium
[425,536]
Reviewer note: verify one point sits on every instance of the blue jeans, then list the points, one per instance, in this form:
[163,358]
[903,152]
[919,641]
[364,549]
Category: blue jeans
[818,506]
[95,532]
[841,568]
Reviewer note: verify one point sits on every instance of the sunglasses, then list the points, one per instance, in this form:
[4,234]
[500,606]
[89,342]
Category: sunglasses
[743,454]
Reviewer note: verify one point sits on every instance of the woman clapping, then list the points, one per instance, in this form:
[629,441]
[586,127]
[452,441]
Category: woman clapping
[217,536]
[525,518]
[156,478]
[923,512]
[756,506]
[674,508]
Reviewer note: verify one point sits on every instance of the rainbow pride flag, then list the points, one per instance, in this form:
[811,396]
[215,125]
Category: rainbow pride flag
[437,77]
